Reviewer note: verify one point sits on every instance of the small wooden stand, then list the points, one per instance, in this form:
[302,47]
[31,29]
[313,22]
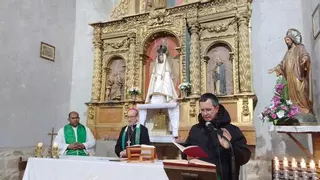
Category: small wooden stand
[313,130]
[141,154]
[189,170]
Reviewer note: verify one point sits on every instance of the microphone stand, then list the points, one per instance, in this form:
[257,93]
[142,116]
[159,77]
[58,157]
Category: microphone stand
[233,158]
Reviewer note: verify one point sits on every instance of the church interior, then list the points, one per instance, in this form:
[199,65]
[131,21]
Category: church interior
[100,58]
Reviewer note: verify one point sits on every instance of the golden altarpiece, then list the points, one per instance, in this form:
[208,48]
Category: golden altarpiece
[199,36]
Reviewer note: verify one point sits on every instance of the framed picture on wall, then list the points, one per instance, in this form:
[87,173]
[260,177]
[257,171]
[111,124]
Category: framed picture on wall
[47,51]
[316,21]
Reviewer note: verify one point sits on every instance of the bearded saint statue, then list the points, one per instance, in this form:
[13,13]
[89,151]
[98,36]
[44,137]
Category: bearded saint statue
[296,69]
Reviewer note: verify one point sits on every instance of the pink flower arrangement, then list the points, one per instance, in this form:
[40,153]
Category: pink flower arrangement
[281,108]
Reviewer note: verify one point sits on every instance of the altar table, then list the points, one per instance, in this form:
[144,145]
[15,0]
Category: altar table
[91,168]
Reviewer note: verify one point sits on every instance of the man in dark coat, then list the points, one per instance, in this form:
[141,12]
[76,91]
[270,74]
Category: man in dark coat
[132,134]
[216,147]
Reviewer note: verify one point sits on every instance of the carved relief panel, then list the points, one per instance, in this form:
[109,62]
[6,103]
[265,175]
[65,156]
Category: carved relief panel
[115,82]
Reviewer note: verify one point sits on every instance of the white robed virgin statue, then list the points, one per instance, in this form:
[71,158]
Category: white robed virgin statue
[161,87]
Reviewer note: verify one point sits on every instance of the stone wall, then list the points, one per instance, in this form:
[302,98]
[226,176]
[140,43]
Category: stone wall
[9,161]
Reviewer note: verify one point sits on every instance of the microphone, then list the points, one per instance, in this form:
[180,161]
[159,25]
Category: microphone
[211,127]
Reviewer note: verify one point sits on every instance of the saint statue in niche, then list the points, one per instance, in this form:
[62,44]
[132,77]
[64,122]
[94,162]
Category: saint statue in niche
[161,87]
[219,77]
[115,82]
[220,70]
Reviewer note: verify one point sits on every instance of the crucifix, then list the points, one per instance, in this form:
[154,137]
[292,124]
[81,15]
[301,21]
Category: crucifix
[52,134]
[128,143]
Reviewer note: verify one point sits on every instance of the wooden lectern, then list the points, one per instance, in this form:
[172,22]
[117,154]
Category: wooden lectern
[141,153]
[189,170]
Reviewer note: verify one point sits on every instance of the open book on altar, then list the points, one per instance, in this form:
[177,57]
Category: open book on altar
[141,146]
[191,151]
[192,163]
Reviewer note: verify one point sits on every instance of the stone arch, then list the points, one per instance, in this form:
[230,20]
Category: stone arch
[217,43]
[113,57]
[156,34]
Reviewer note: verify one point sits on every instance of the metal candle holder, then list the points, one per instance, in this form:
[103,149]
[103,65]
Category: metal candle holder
[39,150]
[293,170]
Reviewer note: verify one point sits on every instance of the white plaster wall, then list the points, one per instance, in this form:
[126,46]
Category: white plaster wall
[34,92]
[313,45]
[87,11]
[270,21]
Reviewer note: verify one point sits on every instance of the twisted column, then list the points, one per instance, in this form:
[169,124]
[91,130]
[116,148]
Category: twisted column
[195,59]
[97,64]
[244,56]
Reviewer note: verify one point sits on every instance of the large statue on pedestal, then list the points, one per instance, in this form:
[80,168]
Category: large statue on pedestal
[161,95]
[161,88]
[295,68]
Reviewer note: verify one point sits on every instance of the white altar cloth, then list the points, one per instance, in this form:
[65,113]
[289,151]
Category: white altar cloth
[91,168]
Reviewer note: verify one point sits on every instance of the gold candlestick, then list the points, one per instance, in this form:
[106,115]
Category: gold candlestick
[55,151]
[39,150]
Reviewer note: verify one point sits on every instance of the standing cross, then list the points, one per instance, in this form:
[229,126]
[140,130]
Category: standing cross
[52,134]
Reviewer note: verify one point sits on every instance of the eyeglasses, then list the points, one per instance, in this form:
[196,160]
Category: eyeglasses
[75,118]
[131,116]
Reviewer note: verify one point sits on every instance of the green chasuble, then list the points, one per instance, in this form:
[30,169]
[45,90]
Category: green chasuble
[69,136]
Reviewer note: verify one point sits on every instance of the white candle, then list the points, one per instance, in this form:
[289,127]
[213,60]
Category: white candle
[285,163]
[303,164]
[294,163]
[40,144]
[312,165]
[55,145]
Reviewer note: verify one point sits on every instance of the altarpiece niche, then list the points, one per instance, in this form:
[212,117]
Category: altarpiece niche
[208,44]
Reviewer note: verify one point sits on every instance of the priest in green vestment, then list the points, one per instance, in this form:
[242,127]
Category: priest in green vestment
[75,139]
[132,134]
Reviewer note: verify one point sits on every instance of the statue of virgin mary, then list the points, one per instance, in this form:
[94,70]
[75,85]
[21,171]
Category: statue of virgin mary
[161,87]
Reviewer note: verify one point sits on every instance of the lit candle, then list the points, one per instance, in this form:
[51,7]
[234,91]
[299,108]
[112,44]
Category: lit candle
[276,163]
[55,145]
[294,163]
[285,163]
[303,164]
[312,165]
[40,144]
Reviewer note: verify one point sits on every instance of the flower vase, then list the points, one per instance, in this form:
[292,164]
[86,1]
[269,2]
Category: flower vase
[284,122]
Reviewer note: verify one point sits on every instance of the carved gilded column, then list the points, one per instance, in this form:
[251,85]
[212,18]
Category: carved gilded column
[195,75]
[131,61]
[104,73]
[204,64]
[97,64]
[244,55]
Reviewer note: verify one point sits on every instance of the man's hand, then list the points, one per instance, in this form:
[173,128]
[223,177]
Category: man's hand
[224,143]
[270,71]
[80,146]
[72,146]
[123,153]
